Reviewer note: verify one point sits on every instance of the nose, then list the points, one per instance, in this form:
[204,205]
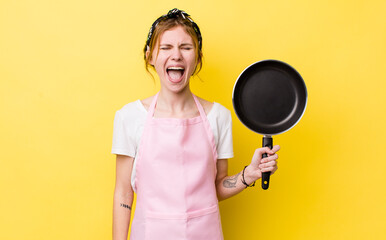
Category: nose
[176,54]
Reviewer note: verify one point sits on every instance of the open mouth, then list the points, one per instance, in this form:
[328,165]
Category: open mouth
[175,74]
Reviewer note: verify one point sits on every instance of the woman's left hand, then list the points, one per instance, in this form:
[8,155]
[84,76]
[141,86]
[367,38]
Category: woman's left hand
[259,165]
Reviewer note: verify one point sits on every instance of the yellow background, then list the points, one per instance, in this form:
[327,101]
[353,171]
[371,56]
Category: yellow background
[67,66]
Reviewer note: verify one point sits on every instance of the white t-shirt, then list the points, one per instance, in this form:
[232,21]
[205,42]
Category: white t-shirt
[130,120]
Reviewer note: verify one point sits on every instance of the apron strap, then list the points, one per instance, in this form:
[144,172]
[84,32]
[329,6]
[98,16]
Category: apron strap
[200,108]
[151,110]
[208,129]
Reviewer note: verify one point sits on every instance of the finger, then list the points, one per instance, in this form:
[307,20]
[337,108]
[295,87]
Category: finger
[270,158]
[268,164]
[263,150]
[270,151]
[269,169]
[257,156]
[275,148]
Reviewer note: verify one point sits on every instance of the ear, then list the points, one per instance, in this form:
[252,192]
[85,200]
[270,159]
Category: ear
[150,60]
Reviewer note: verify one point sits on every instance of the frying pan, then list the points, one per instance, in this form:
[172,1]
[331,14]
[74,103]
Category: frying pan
[269,97]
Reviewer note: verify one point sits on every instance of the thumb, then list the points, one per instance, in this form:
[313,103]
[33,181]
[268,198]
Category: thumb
[258,155]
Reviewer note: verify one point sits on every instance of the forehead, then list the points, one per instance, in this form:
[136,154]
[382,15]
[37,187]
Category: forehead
[175,35]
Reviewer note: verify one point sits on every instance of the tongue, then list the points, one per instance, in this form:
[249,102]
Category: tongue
[175,74]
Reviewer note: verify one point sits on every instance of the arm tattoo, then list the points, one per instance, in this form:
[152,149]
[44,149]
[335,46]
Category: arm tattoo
[231,182]
[125,206]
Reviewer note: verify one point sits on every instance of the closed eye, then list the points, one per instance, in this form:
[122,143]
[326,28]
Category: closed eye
[165,46]
[187,46]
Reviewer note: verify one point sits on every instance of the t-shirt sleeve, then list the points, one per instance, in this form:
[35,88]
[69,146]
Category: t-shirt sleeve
[123,143]
[225,140]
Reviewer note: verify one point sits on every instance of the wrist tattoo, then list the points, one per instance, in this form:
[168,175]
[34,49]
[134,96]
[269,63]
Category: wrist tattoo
[231,182]
[125,206]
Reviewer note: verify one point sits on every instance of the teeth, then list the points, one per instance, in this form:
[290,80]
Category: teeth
[176,68]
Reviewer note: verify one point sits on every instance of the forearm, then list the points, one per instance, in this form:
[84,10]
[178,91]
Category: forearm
[121,214]
[232,185]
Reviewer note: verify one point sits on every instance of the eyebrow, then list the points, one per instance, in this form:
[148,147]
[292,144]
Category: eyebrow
[182,45]
[187,44]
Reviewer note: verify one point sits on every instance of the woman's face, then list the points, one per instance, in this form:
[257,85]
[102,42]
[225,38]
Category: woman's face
[175,62]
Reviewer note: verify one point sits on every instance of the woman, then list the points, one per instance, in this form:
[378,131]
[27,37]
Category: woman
[180,144]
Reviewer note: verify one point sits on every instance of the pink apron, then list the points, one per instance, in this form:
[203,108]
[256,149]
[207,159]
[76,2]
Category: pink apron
[175,180]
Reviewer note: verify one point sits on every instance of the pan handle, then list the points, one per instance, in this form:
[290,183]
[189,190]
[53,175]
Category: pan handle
[267,142]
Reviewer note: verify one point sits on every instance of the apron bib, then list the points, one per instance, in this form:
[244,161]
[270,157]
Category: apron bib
[175,180]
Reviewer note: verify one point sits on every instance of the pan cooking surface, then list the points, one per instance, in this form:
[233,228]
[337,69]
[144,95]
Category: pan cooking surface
[269,97]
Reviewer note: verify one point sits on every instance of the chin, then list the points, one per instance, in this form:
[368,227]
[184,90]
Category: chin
[178,88]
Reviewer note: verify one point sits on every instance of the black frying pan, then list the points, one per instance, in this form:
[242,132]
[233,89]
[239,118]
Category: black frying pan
[269,97]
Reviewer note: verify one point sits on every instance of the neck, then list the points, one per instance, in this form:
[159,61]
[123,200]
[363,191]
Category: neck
[175,102]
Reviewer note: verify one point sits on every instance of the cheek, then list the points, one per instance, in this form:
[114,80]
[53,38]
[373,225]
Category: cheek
[191,59]
[158,63]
